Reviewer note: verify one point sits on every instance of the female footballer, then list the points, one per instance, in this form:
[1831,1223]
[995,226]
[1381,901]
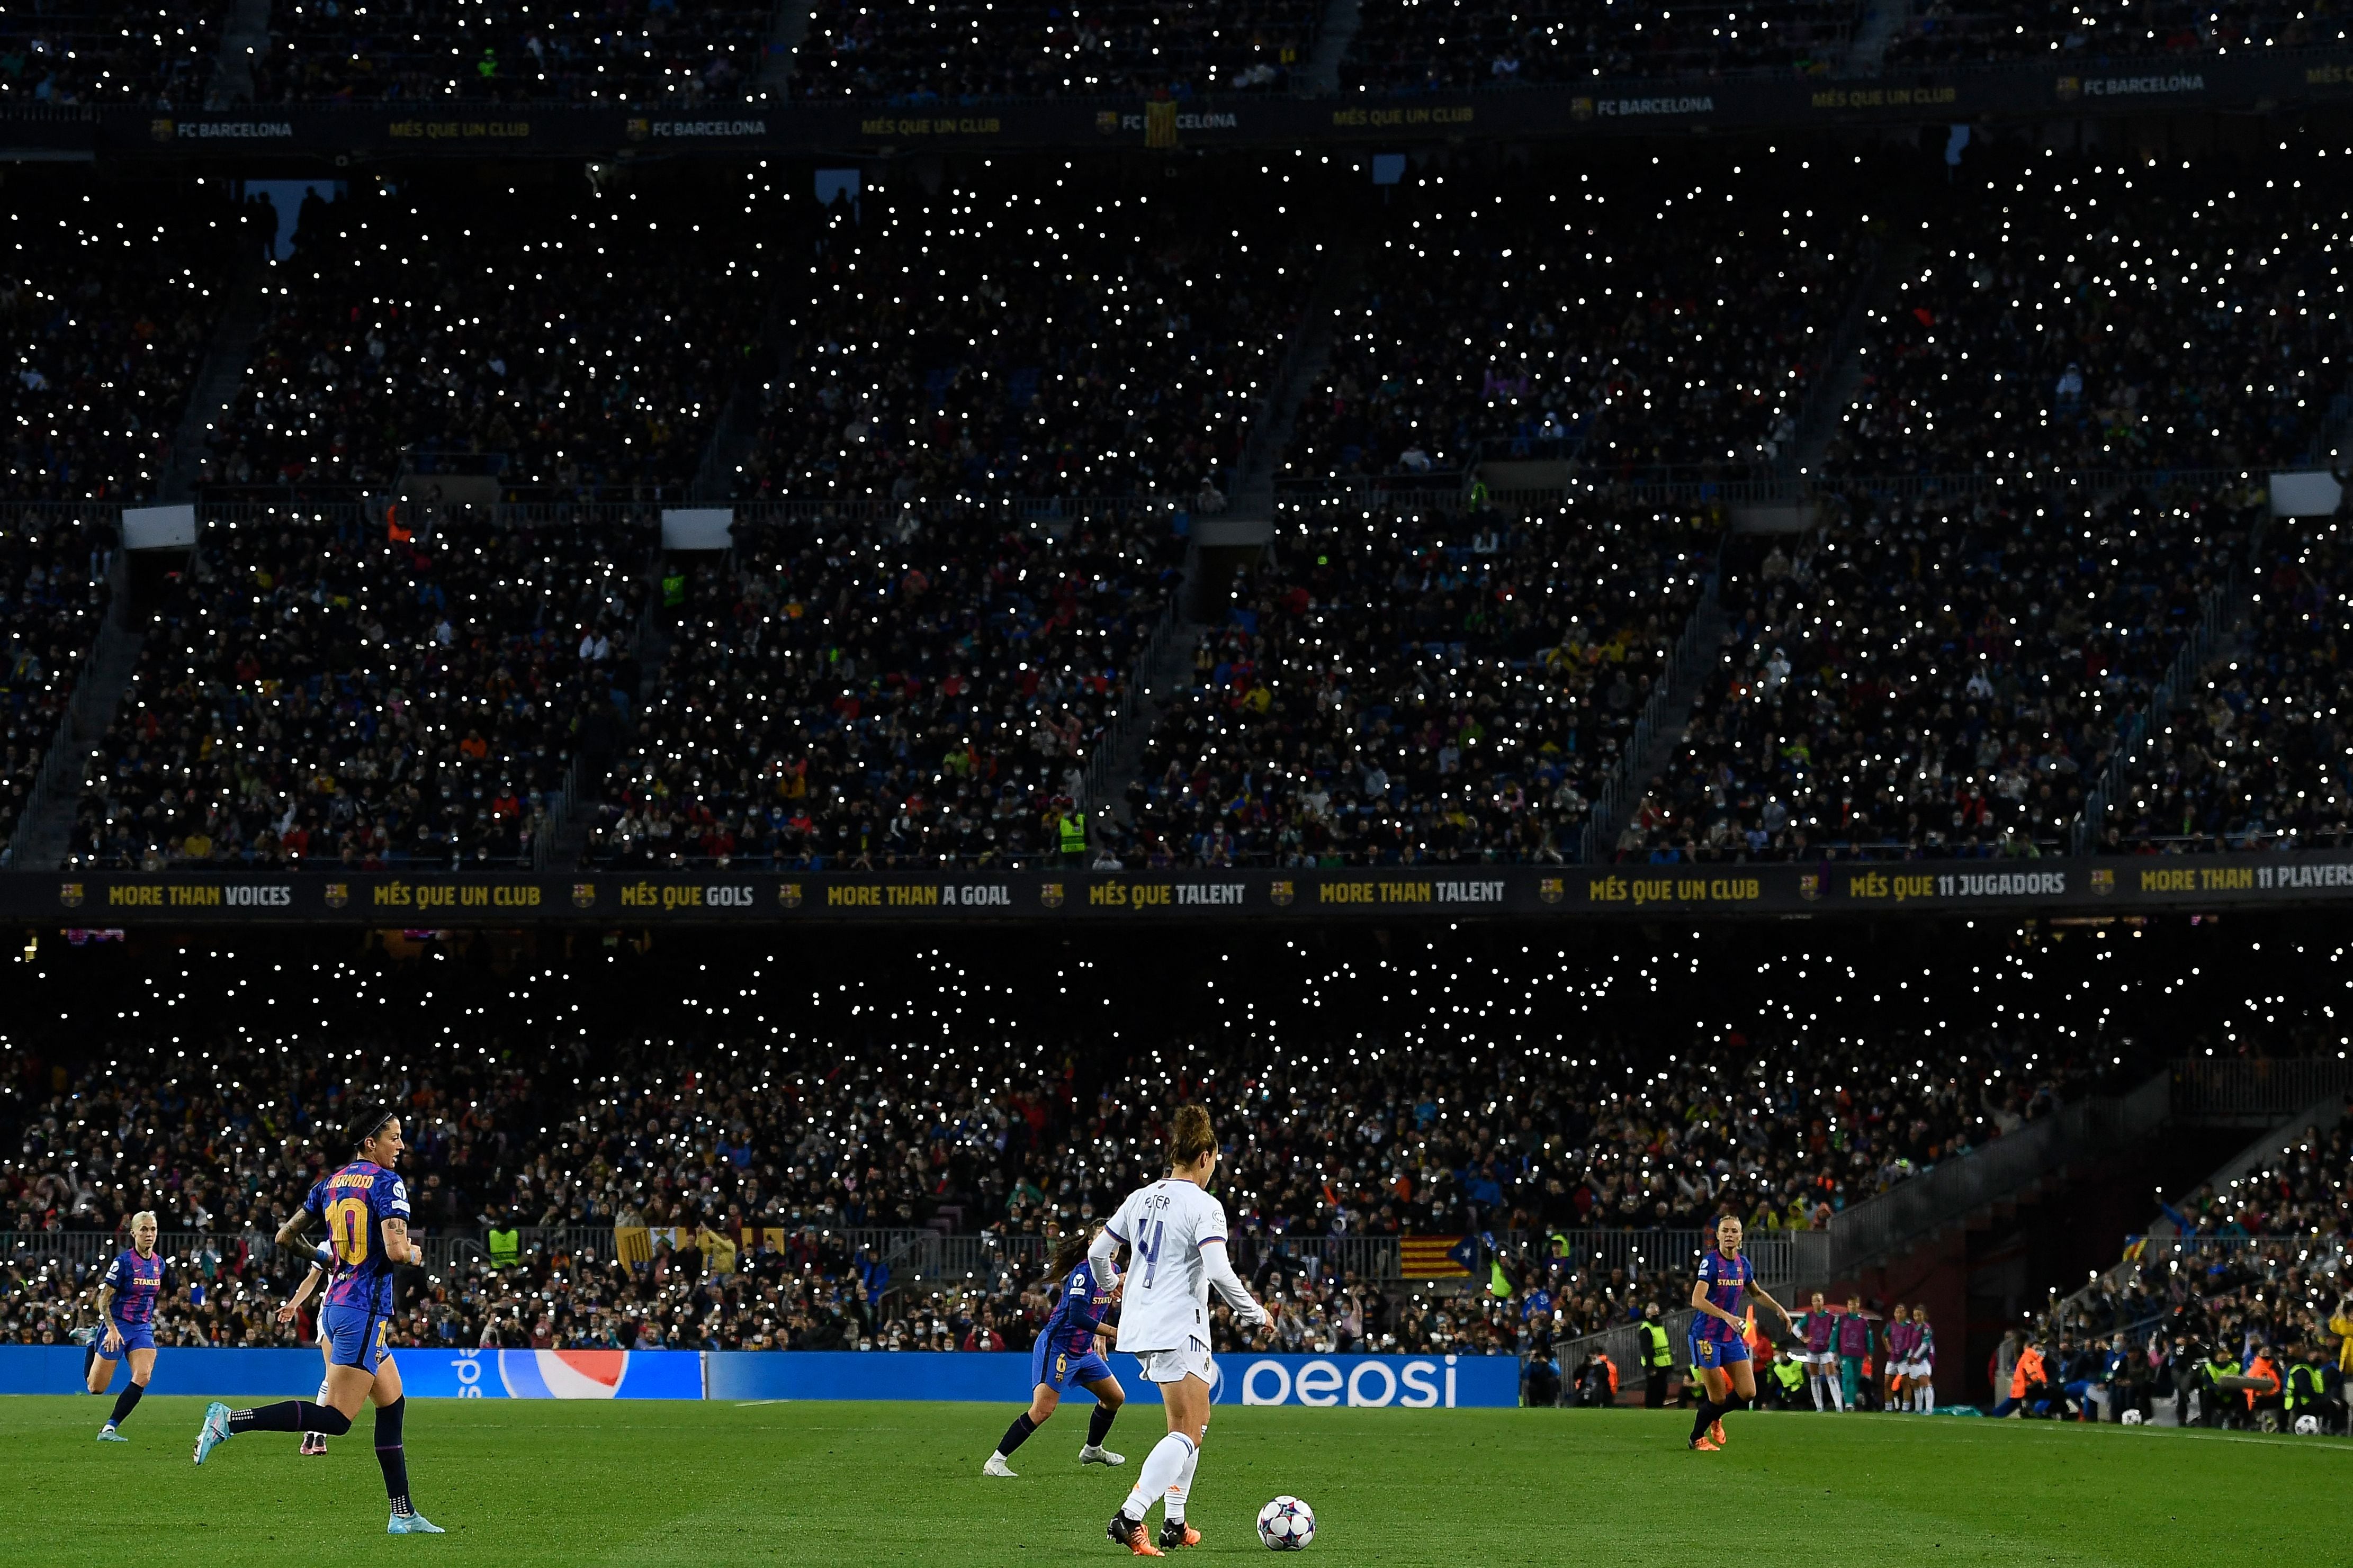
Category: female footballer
[1718,1347]
[1177,1234]
[134,1281]
[366,1210]
[1069,1350]
[323,1269]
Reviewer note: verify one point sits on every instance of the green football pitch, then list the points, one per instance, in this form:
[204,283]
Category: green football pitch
[644,1485]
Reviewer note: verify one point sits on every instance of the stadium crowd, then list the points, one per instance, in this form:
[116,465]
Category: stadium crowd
[648,52]
[2252,756]
[1405,46]
[2237,1308]
[158,53]
[789,1122]
[1129,328]
[54,591]
[315,699]
[964,50]
[655,53]
[920,692]
[2047,329]
[1636,323]
[1401,689]
[105,315]
[1969,32]
[1936,679]
[559,346]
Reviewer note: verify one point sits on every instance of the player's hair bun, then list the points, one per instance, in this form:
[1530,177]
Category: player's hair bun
[1189,1136]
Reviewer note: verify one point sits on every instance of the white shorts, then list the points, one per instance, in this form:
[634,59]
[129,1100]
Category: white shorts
[1176,1366]
[1818,1358]
[1913,1369]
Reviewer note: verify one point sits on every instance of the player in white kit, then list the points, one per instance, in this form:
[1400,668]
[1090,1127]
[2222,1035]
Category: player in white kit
[1176,1236]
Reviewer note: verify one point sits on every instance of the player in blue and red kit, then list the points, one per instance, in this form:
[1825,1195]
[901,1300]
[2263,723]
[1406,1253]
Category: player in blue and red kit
[365,1206]
[1719,1333]
[134,1281]
[1068,1350]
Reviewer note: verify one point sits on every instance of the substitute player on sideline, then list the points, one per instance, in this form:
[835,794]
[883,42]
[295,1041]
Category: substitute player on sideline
[126,1305]
[1719,1345]
[1176,1233]
[366,1210]
[1068,1350]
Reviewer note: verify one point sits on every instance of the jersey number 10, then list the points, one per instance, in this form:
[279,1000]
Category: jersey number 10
[347,1221]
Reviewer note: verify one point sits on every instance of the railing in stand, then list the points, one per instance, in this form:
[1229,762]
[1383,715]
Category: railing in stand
[1625,784]
[2268,1087]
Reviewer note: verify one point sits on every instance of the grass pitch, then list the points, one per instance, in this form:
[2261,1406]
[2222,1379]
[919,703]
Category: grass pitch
[649,1485]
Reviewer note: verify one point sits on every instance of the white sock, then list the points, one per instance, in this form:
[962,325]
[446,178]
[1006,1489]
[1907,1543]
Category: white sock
[1173,1500]
[322,1391]
[1814,1386]
[1838,1395]
[1927,1398]
[1162,1466]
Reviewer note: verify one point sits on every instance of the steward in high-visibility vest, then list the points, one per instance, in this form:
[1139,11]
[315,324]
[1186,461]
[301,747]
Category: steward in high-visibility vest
[2308,1384]
[1073,828]
[506,1248]
[1657,1358]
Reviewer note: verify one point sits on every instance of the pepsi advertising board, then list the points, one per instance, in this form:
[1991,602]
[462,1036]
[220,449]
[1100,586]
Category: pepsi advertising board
[1354,1382]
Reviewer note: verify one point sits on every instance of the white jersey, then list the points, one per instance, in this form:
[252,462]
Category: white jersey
[1166,1303]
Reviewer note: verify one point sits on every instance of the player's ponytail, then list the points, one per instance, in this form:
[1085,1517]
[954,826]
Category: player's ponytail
[1070,1251]
[1189,1136]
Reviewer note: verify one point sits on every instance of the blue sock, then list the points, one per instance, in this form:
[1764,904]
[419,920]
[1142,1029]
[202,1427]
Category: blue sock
[392,1456]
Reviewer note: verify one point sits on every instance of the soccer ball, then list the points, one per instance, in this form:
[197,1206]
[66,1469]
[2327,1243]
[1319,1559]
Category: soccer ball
[2307,1426]
[1286,1524]
[2132,1418]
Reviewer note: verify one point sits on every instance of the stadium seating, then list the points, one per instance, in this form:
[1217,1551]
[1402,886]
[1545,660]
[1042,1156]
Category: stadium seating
[2092,32]
[2249,1268]
[2039,332]
[69,52]
[53,594]
[309,699]
[562,346]
[914,693]
[1372,1110]
[107,308]
[1937,677]
[1025,50]
[1405,45]
[657,52]
[2251,757]
[1400,689]
[1130,327]
[1504,317]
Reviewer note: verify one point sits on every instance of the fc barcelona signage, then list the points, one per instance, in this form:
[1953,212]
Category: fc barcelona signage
[727,896]
[2252,80]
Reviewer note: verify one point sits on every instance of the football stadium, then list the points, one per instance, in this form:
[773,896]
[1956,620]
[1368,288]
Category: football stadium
[1573,773]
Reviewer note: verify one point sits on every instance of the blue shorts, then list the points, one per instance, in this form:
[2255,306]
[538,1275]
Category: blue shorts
[1718,1353]
[354,1336]
[1058,1367]
[135,1337]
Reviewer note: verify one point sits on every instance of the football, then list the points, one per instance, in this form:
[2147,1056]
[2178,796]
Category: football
[2132,1418]
[1286,1524]
[2307,1426]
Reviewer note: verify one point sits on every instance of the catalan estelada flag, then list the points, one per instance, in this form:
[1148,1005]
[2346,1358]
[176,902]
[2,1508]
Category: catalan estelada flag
[1432,1257]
